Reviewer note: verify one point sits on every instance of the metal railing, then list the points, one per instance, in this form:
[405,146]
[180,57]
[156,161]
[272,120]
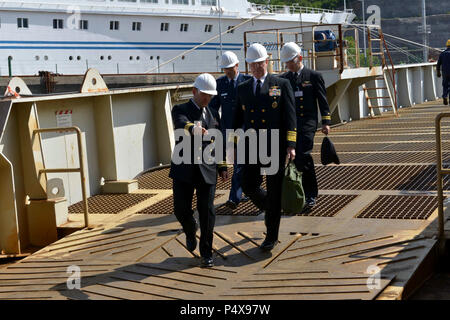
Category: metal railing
[441,172]
[312,55]
[81,169]
[294,9]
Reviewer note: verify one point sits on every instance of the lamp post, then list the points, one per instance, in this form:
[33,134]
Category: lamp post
[220,26]
[364,29]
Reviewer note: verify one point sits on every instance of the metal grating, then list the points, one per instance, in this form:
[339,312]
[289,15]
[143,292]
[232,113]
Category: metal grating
[327,206]
[165,206]
[400,207]
[156,179]
[389,177]
[110,203]
[246,208]
[388,158]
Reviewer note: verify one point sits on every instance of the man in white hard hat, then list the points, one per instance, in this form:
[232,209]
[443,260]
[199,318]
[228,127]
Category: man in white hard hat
[195,115]
[225,100]
[309,91]
[264,103]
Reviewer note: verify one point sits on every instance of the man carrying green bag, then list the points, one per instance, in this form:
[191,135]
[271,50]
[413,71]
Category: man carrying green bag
[293,195]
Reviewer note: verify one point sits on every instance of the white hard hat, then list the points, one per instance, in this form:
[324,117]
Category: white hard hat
[229,59]
[289,51]
[206,83]
[256,53]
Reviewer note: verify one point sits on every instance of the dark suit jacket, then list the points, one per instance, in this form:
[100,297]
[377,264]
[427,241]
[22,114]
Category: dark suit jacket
[184,116]
[312,85]
[226,98]
[275,109]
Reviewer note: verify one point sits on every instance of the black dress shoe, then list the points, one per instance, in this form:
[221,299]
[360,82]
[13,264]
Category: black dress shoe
[445,101]
[310,202]
[268,245]
[231,205]
[206,262]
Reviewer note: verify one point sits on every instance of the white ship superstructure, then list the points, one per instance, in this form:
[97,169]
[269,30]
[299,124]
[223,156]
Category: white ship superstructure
[135,36]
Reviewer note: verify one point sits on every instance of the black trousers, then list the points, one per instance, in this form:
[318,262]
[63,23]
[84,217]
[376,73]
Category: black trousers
[303,159]
[269,200]
[182,200]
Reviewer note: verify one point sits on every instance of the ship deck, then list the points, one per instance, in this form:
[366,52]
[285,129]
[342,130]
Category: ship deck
[376,211]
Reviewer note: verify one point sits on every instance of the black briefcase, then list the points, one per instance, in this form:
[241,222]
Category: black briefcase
[328,152]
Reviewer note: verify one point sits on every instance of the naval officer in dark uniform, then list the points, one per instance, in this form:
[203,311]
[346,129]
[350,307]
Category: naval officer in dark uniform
[195,117]
[266,102]
[309,92]
[225,101]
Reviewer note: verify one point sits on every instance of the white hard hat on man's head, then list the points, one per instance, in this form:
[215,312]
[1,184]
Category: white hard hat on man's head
[256,53]
[289,51]
[229,59]
[206,83]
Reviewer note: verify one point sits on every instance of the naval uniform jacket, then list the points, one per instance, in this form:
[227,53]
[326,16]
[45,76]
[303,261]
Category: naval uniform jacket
[226,98]
[184,117]
[309,92]
[273,109]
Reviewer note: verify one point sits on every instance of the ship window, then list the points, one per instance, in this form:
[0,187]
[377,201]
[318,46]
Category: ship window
[102,57]
[78,58]
[131,58]
[58,24]
[209,2]
[70,58]
[37,58]
[164,26]
[114,25]
[45,58]
[230,30]
[180,2]
[151,57]
[184,27]
[109,57]
[208,28]
[83,25]
[136,26]
[138,58]
[22,23]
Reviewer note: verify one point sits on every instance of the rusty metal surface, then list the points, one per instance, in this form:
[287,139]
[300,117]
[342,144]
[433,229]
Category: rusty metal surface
[400,207]
[165,206]
[110,203]
[382,177]
[153,263]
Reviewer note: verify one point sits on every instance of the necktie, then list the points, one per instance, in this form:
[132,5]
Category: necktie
[258,88]
[232,83]
[295,76]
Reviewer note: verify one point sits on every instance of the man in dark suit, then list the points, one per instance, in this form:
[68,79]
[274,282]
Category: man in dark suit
[444,62]
[225,100]
[195,118]
[265,103]
[309,92]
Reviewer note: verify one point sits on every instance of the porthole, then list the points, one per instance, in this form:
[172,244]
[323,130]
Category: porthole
[131,57]
[151,57]
[137,58]
[37,58]
[78,58]
[102,57]
[45,58]
[70,58]
[109,57]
